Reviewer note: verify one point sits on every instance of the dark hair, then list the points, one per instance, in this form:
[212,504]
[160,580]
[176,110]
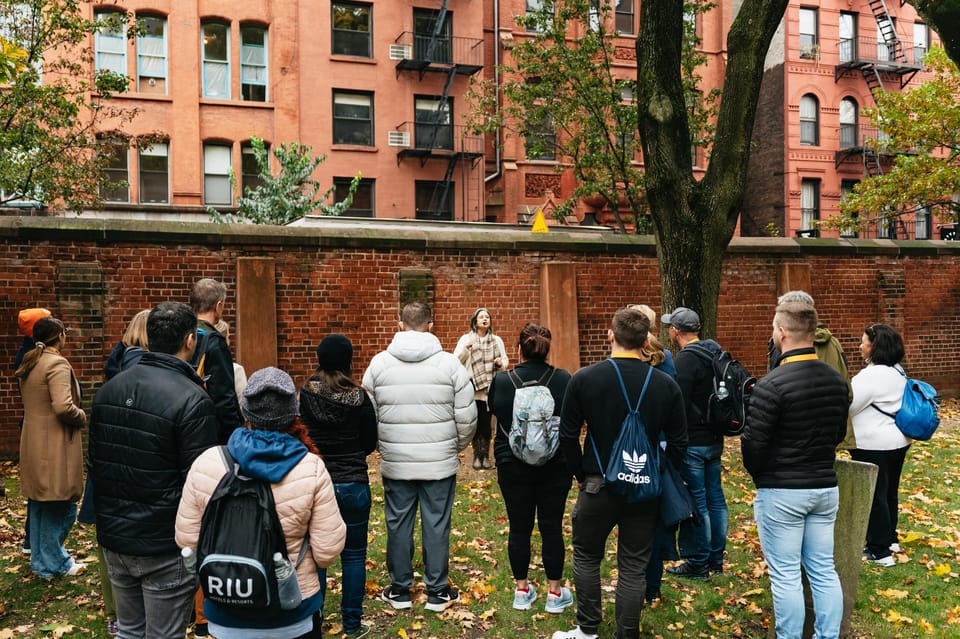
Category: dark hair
[205,294]
[334,380]
[886,345]
[47,331]
[168,325]
[535,342]
[630,327]
[416,315]
[473,320]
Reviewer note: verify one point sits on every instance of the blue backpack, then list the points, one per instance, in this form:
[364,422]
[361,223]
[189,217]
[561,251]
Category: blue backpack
[633,470]
[918,417]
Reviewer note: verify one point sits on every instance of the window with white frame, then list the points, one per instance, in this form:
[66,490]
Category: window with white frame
[848,123]
[216,174]
[215,44]
[353,118]
[809,36]
[921,223]
[848,36]
[253,63]
[155,174]
[352,29]
[921,41]
[624,17]
[152,54]
[809,120]
[809,206]
[363,198]
[110,42]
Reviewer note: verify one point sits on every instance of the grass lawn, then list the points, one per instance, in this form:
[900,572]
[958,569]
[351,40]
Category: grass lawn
[920,596]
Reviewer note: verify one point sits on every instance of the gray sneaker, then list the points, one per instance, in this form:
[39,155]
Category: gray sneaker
[558,603]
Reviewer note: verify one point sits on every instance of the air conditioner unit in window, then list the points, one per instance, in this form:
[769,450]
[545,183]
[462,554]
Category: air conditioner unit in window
[401,52]
[398,138]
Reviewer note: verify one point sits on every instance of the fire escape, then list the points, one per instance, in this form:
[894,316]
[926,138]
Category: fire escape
[432,49]
[883,62]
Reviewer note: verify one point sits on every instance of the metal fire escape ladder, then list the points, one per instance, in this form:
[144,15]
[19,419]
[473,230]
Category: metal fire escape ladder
[871,161]
[437,30]
[885,24]
[872,76]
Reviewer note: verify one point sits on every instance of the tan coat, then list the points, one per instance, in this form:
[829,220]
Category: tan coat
[51,449]
[304,499]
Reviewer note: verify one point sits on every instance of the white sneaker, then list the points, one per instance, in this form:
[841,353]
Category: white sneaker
[523,600]
[556,604]
[895,547]
[576,633]
[75,569]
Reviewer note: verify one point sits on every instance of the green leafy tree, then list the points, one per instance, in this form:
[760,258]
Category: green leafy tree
[53,104]
[944,17]
[290,194]
[564,96]
[925,121]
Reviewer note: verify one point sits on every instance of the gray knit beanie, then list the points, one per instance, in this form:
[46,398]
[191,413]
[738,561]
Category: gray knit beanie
[269,401]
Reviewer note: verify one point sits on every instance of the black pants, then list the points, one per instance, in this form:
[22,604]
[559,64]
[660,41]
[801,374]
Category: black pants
[481,439]
[535,492]
[882,527]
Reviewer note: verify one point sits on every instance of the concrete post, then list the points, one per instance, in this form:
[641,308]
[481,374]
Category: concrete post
[856,481]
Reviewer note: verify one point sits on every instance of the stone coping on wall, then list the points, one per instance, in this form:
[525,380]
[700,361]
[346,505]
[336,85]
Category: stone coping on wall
[419,235]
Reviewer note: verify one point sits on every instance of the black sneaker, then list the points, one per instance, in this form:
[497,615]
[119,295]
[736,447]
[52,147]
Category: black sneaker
[396,597]
[200,630]
[716,569]
[652,595]
[689,571]
[443,599]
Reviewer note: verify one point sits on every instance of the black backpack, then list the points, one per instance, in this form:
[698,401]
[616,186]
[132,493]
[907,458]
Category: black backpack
[239,534]
[726,411]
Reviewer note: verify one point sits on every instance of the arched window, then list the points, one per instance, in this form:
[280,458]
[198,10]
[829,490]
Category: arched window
[848,123]
[809,120]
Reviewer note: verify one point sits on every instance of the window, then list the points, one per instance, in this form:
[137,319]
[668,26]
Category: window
[808,33]
[848,36]
[433,123]
[115,171]
[921,42]
[428,47]
[541,141]
[535,7]
[22,24]
[809,121]
[253,64]
[809,207]
[362,205]
[353,118]
[216,60]
[434,200]
[848,123]
[886,49]
[921,223]
[216,174]
[352,29]
[152,55]
[593,21]
[154,174]
[624,15]
[249,169]
[110,42]
[846,190]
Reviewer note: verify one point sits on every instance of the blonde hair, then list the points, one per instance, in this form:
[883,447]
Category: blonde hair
[652,352]
[136,333]
[223,327]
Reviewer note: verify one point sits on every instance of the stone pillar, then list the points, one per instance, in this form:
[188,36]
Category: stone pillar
[856,481]
[256,326]
[558,312]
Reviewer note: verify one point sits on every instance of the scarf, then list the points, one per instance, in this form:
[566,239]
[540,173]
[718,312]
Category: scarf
[481,361]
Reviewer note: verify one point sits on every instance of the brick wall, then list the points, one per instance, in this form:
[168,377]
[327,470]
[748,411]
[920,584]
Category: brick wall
[337,278]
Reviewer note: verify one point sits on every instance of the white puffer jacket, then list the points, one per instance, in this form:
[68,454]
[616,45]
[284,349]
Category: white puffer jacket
[883,386]
[425,408]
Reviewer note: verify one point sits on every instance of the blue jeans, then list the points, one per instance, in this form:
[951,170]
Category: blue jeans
[50,523]
[796,527]
[435,500]
[354,501]
[154,595]
[704,545]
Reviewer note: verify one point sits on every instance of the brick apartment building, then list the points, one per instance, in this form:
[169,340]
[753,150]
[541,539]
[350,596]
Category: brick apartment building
[379,87]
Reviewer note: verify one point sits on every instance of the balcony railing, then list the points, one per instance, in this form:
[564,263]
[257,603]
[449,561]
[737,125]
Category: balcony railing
[861,51]
[423,51]
[429,138]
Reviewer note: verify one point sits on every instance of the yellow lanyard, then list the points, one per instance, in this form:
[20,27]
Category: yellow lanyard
[798,358]
[626,356]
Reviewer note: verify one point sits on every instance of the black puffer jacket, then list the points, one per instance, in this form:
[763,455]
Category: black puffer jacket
[147,426]
[797,416]
[343,425]
[218,373]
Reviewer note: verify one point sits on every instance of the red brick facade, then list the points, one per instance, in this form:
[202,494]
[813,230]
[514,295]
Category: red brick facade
[97,274]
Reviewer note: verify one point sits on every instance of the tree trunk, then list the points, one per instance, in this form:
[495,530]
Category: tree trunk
[944,17]
[694,221]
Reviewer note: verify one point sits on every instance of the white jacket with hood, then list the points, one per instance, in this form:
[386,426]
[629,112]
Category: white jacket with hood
[425,408]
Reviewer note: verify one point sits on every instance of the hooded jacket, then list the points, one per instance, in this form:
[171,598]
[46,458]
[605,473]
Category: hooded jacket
[343,425]
[305,502]
[425,408]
